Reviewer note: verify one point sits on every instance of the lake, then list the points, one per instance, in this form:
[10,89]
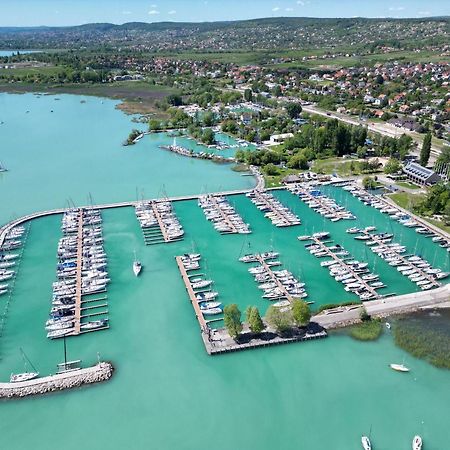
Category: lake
[167,393]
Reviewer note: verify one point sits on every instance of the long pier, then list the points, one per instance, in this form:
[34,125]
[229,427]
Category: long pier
[281,214]
[78,283]
[162,225]
[279,284]
[347,267]
[187,282]
[387,249]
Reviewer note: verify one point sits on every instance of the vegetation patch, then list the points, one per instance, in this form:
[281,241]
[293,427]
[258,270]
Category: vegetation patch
[367,331]
[425,336]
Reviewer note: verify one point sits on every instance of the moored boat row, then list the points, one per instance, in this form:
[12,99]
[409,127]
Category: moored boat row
[277,285]
[320,203]
[273,209]
[226,220]
[81,271]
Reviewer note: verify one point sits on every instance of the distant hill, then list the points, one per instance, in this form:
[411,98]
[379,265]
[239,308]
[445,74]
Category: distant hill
[265,33]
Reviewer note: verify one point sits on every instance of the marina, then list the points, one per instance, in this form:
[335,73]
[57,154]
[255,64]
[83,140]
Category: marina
[414,267]
[272,208]
[320,203]
[81,273]
[148,340]
[218,210]
[276,284]
[159,222]
[354,274]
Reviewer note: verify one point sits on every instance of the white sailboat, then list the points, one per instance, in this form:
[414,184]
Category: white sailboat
[24,376]
[3,168]
[365,441]
[137,266]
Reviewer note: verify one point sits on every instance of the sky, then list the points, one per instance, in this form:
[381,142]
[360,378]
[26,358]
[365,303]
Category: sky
[75,12]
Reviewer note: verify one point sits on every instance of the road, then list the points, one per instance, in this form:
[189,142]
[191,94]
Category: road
[382,128]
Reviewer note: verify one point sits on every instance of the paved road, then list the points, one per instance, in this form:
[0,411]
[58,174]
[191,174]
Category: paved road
[387,306]
[381,128]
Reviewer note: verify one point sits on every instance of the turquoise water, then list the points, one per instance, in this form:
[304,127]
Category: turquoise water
[193,145]
[167,393]
[75,151]
[14,52]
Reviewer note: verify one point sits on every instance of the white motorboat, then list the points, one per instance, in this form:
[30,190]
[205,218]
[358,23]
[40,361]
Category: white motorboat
[137,267]
[210,305]
[417,443]
[399,367]
[211,311]
[365,441]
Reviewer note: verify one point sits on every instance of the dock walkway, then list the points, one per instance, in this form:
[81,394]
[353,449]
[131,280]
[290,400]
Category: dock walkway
[405,262]
[78,284]
[280,285]
[347,267]
[187,282]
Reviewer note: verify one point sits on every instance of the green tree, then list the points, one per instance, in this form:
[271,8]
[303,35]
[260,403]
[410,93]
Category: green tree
[426,150]
[280,320]
[300,312]
[392,166]
[369,183]
[154,125]
[232,320]
[208,119]
[248,95]
[294,110]
[208,137]
[271,169]
[174,100]
[254,320]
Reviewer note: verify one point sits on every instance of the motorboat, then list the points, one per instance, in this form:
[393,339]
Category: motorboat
[417,443]
[399,367]
[211,311]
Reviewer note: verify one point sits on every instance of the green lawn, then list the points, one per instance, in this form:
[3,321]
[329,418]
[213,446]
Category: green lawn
[406,200]
[405,184]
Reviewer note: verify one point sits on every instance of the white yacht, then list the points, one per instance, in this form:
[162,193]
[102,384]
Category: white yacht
[137,267]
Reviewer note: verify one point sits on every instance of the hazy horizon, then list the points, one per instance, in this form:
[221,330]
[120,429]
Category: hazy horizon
[62,13]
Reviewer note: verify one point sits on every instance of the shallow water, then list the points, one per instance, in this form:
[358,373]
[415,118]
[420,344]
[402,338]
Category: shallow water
[74,154]
[167,393]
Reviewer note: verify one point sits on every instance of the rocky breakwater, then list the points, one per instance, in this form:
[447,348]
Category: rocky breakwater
[59,382]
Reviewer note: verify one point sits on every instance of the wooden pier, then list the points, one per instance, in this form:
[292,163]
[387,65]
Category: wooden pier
[340,214]
[79,283]
[261,197]
[225,217]
[162,225]
[192,295]
[281,287]
[386,249]
[347,267]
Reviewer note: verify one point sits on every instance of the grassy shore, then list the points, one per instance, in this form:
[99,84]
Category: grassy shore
[367,331]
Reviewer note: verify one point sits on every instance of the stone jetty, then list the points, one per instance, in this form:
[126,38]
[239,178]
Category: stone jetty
[67,380]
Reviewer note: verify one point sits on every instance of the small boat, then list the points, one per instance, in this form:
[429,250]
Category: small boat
[365,441]
[137,266]
[399,367]
[211,311]
[282,304]
[417,443]
[388,325]
[25,376]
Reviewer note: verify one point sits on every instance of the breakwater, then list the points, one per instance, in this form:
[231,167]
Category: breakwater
[67,380]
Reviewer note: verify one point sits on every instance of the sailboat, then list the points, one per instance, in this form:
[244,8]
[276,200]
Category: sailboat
[3,168]
[365,441]
[417,443]
[399,367]
[25,376]
[137,266]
